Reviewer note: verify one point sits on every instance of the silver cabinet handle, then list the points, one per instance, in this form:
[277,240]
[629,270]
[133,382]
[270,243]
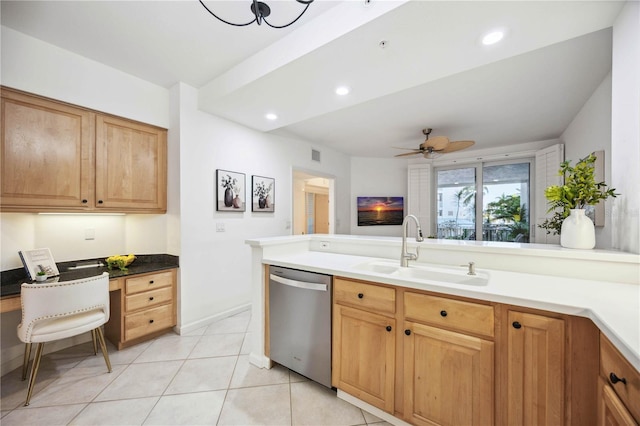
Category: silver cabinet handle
[299,284]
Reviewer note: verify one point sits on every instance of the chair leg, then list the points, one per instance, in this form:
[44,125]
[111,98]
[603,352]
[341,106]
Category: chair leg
[95,343]
[34,371]
[103,346]
[25,362]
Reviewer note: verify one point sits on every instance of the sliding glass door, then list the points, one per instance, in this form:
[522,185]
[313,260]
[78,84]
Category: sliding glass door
[485,201]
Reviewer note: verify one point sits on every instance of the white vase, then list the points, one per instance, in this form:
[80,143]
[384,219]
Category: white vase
[578,231]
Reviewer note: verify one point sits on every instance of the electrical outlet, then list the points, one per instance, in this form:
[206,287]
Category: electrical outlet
[89,234]
[220,227]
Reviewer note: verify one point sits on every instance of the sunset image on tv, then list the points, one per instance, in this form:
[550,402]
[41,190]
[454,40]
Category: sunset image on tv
[380,211]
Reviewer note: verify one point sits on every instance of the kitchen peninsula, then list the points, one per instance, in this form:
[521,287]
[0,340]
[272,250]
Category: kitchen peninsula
[587,300]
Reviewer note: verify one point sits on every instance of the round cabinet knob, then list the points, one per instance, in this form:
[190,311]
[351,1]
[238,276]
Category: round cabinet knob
[407,332]
[443,313]
[85,201]
[516,324]
[151,298]
[150,321]
[100,202]
[615,379]
[151,282]
[360,295]
[388,328]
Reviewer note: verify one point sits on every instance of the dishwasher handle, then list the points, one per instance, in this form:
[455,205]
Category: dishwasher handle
[299,284]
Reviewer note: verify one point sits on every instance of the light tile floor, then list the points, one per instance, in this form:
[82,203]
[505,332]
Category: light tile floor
[203,378]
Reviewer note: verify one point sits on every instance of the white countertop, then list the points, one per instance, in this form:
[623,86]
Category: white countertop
[613,306]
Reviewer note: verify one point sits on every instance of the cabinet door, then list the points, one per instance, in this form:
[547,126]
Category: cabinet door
[364,355]
[448,377]
[131,165]
[611,411]
[535,369]
[46,155]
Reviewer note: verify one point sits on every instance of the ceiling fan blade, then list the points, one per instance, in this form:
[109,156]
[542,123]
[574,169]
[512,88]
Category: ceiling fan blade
[436,142]
[407,149]
[417,151]
[456,146]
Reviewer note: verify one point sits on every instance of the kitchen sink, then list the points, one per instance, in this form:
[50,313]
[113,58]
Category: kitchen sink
[417,273]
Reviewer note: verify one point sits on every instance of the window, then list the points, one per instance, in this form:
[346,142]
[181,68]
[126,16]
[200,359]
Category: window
[497,193]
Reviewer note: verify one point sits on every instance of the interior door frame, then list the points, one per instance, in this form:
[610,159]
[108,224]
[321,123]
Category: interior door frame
[296,176]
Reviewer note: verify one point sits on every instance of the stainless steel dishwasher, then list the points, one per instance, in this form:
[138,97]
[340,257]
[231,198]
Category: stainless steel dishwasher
[300,322]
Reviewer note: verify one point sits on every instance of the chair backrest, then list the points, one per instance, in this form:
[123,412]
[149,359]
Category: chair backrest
[49,301]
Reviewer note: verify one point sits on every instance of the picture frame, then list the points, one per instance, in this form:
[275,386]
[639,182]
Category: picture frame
[263,190]
[230,191]
[374,211]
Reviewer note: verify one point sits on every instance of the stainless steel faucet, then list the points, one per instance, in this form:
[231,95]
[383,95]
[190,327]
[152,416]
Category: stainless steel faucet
[405,256]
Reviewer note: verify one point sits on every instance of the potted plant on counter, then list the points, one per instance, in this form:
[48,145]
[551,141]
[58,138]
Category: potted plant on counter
[41,276]
[568,203]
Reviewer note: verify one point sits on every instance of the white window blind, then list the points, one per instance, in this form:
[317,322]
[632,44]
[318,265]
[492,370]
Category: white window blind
[419,196]
[547,165]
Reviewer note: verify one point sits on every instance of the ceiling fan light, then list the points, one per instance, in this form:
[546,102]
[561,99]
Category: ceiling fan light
[492,38]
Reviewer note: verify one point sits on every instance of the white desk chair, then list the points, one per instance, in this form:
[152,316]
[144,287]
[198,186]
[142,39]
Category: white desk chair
[54,311]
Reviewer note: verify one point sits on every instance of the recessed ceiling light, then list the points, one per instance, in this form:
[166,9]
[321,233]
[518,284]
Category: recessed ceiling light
[342,90]
[271,116]
[492,38]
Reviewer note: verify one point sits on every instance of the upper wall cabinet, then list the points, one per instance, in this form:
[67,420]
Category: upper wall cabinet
[131,165]
[57,157]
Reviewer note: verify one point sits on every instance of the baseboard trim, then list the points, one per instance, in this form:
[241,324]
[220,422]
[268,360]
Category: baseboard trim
[188,328]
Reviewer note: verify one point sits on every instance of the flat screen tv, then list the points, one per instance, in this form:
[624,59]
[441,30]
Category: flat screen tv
[374,211]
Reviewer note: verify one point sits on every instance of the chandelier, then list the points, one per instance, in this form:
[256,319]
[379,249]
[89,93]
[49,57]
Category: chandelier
[260,12]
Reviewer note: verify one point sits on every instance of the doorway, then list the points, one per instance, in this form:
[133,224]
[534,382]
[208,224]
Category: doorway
[313,211]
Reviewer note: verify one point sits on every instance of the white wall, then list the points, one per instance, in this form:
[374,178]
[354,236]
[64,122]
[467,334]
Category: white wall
[34,66]
[625,128]
[377,177]
[208,143]
[590,131]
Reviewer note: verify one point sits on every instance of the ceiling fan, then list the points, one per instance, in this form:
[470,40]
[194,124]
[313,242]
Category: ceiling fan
[431,148]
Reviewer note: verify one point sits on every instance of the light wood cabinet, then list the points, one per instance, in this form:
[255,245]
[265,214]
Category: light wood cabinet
[535,353]
[448,377]
[46,154]
[142,308]
[448,374]
[471,362]
[64,158]
[619,388]
[611,410]
[131,163]
[363,356]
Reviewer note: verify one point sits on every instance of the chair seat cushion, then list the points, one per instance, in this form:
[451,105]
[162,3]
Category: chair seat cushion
[59,328]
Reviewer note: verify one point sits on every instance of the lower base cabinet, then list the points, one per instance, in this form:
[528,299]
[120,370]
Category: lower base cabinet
[611,410]
[466,362]
[448,377]
[143,307]
[618,388]
[364,365]
[535,369]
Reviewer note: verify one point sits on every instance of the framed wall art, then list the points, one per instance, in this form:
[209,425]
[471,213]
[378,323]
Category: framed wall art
[380,211]
[263,194]
[230,191]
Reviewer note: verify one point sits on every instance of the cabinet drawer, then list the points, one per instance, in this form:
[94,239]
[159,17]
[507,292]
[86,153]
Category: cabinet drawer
[148,282]
[364,296]
[462,316]
[148,299]
[148,321]
[611,361]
